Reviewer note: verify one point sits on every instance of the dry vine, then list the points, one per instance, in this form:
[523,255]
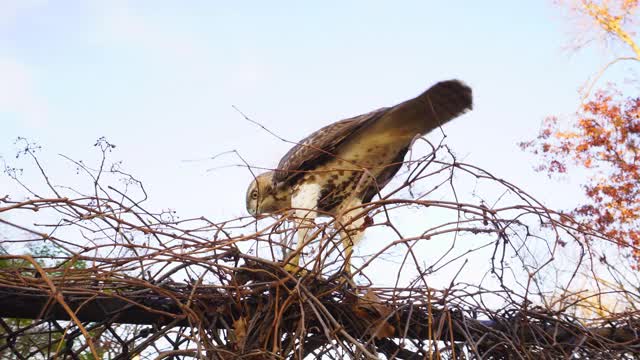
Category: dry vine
[510,279]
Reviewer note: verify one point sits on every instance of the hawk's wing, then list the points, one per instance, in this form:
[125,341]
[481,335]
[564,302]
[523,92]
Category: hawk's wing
[434,107]
[320,145]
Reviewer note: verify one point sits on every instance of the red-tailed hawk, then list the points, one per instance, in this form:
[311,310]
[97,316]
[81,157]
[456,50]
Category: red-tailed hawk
[333,171]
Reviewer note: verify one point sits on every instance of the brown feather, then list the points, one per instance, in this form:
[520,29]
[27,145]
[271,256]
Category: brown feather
[434,107]
[320,145]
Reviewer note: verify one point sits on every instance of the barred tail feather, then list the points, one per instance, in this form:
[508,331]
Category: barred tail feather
[436,106]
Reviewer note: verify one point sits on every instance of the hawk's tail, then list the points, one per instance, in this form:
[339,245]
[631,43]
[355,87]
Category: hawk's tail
[442,102]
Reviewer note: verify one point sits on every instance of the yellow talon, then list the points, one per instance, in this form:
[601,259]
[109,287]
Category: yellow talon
[293,268]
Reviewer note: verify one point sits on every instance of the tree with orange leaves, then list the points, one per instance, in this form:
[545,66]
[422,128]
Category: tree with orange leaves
[604,137]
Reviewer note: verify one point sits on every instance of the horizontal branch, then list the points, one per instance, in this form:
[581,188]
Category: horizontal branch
[417,322]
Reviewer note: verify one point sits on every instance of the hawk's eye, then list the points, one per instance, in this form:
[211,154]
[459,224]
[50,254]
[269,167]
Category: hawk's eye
[254,195]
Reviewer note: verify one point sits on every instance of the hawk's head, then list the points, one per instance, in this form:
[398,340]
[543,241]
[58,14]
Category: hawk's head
[263,197]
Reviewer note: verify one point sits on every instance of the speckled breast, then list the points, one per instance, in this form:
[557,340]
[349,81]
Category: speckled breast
[362,175]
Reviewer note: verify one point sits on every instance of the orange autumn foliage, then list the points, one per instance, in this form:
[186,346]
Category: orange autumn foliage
[613,17]
[606,140]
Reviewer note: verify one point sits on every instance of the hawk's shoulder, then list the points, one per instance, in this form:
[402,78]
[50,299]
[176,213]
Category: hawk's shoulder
[320,146]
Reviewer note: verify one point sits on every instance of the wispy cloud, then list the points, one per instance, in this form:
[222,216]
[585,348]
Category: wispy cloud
[11,10]
[18,93]
[171,45]
[122,25]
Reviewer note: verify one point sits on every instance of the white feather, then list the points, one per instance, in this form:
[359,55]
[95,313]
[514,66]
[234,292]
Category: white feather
[304,199]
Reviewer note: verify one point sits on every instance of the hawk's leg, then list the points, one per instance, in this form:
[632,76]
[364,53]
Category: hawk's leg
[304,200]
[351,231]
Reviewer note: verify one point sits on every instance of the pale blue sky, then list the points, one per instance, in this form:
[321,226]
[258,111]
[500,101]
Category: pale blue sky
[159,78]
